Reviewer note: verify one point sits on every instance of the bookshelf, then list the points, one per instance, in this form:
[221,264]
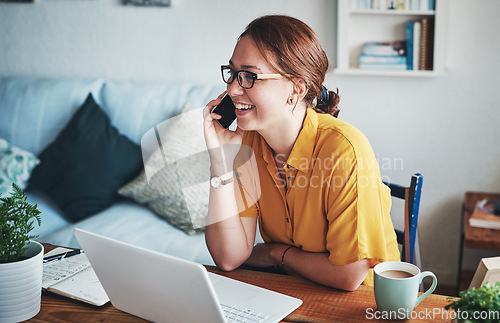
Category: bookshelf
[358,26]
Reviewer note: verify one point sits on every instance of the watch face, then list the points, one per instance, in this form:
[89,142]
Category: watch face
[215,181]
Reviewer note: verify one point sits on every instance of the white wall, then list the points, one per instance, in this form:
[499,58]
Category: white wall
[103,38]
[447,128]
[444,127]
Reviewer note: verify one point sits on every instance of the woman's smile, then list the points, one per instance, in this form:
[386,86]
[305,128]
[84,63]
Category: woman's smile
[242,107]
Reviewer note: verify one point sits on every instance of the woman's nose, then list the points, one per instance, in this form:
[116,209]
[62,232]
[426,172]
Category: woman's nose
[234,89]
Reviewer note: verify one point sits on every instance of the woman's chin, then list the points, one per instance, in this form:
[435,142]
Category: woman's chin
[245,124]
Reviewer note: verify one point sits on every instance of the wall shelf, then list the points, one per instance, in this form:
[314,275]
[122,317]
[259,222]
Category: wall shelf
[393,12]
[357,71]
[356,27]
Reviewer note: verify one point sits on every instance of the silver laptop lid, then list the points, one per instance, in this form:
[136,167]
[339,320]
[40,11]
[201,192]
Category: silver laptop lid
[149,284]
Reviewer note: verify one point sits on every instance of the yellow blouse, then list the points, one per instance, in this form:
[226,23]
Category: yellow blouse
[334,199]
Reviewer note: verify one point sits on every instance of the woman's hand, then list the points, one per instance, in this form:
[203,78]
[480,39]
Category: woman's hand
[222,144]
[267,254]
[312,265]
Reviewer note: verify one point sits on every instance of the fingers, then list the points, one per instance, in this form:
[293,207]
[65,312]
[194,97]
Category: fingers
[210,106]
[211,128]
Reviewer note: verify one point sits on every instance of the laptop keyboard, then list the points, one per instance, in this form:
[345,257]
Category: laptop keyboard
[238,314]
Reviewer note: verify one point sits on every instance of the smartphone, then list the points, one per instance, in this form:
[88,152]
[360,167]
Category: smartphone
[226,110]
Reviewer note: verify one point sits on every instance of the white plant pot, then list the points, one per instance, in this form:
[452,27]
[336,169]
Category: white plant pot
[21,286]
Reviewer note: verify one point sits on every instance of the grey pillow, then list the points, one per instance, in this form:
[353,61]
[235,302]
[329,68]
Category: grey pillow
[175,184]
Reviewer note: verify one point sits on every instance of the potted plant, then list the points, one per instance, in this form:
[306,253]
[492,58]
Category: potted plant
[478,304]
[21,259]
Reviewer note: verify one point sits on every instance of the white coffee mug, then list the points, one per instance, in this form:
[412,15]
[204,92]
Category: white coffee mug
[396,287]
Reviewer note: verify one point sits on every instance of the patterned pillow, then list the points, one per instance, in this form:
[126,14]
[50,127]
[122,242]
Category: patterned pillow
[175,183]
[16,165]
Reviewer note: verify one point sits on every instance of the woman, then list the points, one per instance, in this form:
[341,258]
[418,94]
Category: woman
[322,208]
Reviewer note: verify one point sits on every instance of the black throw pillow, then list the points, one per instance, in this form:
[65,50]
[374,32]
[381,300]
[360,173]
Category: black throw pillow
[82,170]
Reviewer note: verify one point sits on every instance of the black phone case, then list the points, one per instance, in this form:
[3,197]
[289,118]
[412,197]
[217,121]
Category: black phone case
[226,110]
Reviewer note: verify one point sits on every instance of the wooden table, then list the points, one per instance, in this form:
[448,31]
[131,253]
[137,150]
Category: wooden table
[320,304]
[473,237]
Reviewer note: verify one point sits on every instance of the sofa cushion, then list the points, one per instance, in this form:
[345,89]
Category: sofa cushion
[83,168]
[175,181]
[34,110]
[134,108]
[52,216]
[167,193]
[133,223]
[16,165]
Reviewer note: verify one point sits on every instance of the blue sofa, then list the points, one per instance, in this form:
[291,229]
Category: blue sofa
[34,111]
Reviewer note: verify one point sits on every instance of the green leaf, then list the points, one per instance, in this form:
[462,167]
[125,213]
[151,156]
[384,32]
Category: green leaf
[17,219]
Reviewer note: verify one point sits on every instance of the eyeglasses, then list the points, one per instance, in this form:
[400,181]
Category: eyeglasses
[245,79]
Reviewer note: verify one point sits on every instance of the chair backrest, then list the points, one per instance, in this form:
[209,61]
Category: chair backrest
[411,196]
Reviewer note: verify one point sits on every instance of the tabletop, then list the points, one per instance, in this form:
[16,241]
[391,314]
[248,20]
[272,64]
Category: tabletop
[324,304]
[320,303]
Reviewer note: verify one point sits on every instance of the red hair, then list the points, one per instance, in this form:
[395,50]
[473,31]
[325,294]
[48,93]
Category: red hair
[293,49]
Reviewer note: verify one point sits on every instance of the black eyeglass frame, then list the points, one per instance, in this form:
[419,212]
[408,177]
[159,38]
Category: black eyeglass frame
[254,76]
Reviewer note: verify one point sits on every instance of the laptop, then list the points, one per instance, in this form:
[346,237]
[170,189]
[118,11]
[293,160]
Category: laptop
[163,288]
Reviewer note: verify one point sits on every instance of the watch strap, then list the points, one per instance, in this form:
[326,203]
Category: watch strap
[222,180]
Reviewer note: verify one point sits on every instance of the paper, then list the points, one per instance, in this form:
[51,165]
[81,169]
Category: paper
[74,277]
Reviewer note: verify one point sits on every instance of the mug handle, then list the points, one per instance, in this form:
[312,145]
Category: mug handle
[431,289]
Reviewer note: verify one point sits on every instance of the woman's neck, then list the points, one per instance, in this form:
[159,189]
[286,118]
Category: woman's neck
[282,138]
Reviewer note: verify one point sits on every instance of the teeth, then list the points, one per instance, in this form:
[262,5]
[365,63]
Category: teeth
[244,106]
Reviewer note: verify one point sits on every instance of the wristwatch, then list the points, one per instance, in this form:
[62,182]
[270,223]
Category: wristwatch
[218,181]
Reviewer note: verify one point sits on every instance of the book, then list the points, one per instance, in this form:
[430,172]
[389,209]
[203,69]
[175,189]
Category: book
[482,217]
[432,5]
[423,44]
[390,55]
[414,4]
[409,44]
[74,277]
[424,5]
[389,48]
[427,44]
[381,59]
[398,67]
[413,45]
[363,4]
[417,35]
[488,271]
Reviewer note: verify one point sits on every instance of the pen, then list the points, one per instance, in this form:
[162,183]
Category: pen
[62,255]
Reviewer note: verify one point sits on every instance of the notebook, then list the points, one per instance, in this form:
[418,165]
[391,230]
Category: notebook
[163,288]
[73,277]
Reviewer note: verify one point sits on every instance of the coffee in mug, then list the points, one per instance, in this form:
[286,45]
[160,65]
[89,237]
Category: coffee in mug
[396,274]
[396,287]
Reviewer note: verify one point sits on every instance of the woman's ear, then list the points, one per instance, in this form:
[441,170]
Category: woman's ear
[299,90]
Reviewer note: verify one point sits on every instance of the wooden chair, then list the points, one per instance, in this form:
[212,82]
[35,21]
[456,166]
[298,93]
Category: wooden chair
[408,238]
